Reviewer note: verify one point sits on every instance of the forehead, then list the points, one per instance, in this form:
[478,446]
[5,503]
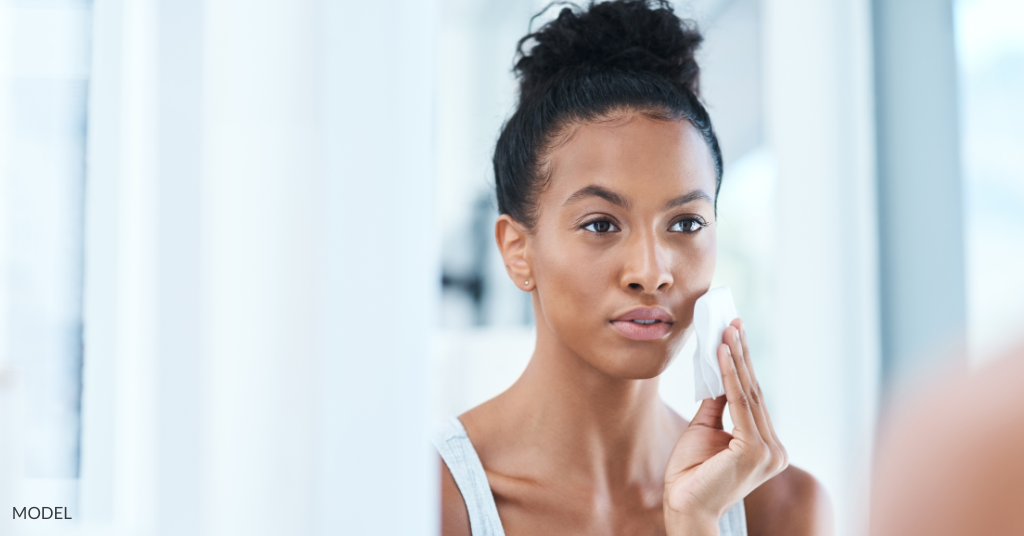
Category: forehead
[632,154]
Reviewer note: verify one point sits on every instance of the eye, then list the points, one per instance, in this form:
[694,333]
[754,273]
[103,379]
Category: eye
[600,227]
[688,225]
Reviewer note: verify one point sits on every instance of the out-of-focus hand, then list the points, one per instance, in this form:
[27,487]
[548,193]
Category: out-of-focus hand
[710,470]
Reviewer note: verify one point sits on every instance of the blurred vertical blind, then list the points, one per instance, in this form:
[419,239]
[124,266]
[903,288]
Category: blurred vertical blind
[42,168]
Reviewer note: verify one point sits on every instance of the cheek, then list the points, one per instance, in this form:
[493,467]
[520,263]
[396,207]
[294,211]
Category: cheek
[694,268]
[573,277]
[574,280]
[698,261]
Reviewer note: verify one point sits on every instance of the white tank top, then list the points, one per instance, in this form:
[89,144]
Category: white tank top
[459,455]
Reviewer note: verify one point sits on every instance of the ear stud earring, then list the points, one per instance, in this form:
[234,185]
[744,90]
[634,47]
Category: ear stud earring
[527,282]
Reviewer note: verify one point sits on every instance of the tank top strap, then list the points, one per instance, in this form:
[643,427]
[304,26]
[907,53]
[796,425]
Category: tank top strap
[459,455]
[734,522]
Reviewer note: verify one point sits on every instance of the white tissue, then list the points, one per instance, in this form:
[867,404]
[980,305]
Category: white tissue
[711,315]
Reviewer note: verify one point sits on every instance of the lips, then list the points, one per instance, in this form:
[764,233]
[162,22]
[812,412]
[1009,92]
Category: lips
[644,323]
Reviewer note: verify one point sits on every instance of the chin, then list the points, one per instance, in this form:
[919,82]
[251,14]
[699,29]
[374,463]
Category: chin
[635,362]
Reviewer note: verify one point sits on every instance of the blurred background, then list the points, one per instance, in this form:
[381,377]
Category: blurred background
[207,207]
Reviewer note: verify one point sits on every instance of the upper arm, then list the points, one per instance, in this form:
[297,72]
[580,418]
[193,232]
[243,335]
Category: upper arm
[454,516]
[790,503]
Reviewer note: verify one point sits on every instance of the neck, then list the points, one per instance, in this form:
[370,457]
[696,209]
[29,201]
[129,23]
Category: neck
[597,427]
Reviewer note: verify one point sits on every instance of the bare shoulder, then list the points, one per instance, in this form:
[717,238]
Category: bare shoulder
[454,516]
[791,503]
[948,460]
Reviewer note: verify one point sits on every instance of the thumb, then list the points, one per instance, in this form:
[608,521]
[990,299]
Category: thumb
[710,413]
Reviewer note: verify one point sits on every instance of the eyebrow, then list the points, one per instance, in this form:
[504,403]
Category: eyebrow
[597,191]
[688,198]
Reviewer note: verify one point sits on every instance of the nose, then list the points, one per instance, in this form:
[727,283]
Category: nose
[647,269]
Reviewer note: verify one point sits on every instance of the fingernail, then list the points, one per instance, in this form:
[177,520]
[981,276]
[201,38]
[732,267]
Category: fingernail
[728,350]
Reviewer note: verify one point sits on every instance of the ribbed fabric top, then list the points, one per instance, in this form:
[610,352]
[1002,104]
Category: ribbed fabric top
[459,455]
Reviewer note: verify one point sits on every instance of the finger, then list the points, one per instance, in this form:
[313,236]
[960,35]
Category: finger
[732,338]
[755,383]
[710,413]
[780,459]
[755,386]
[739,403]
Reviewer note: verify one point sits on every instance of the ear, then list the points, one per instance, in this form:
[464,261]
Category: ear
[511,237]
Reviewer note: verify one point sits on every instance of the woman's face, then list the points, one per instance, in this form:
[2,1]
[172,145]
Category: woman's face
[623,243]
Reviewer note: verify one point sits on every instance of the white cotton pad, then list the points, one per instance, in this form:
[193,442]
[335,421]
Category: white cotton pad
[711,315]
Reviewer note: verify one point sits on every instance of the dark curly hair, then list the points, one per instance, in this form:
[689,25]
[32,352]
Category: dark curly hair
[622,54]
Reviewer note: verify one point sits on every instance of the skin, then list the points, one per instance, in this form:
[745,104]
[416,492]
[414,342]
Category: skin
[582,443]
[950,463]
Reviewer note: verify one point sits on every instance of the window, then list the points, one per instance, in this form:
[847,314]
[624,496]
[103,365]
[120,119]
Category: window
[990,43]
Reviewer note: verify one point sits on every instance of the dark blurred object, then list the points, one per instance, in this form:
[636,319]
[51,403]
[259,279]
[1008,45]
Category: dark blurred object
[472,280]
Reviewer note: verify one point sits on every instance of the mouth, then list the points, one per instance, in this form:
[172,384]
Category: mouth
[644,323]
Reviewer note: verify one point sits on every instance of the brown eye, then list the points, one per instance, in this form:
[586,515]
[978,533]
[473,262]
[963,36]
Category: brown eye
[688,225]
[601,226]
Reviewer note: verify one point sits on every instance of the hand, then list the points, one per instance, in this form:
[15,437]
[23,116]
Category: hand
[710,470]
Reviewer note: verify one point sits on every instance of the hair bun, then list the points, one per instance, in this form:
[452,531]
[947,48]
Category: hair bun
[630,35]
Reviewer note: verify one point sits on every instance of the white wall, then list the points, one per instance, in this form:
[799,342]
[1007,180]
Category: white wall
[819,110]
[381,274]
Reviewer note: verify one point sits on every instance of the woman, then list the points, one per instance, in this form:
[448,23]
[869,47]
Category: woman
[607,179]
